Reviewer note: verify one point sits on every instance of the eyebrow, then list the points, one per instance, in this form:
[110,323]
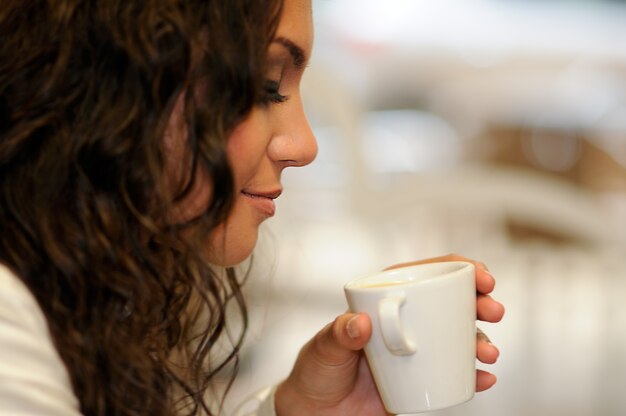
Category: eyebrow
[296,52]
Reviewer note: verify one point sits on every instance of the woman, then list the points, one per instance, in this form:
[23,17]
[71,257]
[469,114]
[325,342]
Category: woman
[141,145]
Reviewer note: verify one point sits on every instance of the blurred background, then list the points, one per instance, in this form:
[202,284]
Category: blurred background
[495,129]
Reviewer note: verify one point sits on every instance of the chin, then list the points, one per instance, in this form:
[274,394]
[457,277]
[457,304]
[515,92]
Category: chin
[228,252]
[231,260]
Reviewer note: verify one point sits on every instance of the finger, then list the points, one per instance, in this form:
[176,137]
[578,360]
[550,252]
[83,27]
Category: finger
[488,309]
[339,340]
[485,282]
[486,352]
[484,380]
[327,367]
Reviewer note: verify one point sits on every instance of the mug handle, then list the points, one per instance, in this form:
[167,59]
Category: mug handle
[391,327]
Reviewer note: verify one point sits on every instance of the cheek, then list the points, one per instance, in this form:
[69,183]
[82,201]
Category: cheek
[238,158]
[233,241]
[195,202]
[247,145]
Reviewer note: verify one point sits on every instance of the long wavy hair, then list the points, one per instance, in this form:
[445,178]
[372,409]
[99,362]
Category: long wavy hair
[86,91]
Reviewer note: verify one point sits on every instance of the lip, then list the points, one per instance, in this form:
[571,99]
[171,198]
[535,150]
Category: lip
[263,201]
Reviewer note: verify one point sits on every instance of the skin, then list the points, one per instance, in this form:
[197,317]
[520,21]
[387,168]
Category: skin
[271,138]
[330,376]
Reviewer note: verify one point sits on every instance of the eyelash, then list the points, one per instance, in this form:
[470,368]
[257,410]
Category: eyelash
[271,92]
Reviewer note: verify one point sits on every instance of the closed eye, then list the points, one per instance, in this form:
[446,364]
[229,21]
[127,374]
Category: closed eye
[272,93]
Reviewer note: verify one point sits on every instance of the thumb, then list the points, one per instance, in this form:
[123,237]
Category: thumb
[327,366]
[342,339]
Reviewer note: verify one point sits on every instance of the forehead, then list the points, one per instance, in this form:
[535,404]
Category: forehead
[296,23]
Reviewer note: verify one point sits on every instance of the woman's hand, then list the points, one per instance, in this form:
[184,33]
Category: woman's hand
[331,376]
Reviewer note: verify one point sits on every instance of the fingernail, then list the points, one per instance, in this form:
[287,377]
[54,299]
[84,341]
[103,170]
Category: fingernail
[353,328]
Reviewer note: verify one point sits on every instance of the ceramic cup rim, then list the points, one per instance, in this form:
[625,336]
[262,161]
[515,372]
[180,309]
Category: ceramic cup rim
[440,270]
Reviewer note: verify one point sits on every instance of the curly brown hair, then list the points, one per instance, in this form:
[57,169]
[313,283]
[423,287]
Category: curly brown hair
[86,91]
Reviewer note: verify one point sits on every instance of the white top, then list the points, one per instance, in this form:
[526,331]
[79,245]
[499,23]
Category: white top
[33,378]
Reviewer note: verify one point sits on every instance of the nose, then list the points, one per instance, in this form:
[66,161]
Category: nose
[294,144]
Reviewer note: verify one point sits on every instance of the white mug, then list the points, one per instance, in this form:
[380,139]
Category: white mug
[422,352]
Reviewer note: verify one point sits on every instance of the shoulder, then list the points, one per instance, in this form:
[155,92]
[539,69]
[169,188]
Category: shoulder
[17,304]
[33,378]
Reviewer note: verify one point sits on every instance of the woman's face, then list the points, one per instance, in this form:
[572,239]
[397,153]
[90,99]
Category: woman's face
[271,138]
